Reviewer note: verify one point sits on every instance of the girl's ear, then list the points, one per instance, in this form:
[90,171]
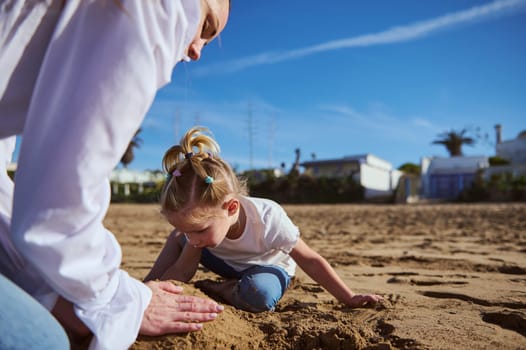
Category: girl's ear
[232,206]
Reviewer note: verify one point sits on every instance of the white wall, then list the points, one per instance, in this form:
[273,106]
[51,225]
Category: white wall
[374,178]
[514,150]
[378,182]
[378,163]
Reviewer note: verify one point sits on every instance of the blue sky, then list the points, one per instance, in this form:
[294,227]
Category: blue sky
[348,78]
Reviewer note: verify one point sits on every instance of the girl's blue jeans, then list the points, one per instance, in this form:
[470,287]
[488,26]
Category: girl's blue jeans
[259,288]
[26,324]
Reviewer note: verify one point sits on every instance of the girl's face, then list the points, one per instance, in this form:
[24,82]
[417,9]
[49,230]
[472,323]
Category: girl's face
[210,228]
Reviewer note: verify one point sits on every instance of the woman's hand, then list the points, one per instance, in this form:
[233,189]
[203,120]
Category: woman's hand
[170,311]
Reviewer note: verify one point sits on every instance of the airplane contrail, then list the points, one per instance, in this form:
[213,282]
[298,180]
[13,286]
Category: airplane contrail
[392,35]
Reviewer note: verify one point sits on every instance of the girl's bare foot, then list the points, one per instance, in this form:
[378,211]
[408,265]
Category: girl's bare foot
[217,289]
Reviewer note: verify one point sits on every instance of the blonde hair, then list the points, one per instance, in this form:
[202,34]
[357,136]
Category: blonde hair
[196,173]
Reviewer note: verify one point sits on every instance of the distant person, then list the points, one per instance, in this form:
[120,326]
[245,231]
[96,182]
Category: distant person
[77,78]
[250,242]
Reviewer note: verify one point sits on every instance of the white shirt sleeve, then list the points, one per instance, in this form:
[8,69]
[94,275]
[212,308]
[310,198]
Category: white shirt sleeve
[96,82]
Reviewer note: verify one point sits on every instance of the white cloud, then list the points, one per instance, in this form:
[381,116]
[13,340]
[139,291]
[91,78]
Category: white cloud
[376,121]
[424,123]
[397,34]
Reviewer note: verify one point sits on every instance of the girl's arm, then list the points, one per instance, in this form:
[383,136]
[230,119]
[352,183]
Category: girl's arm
[169,254]
[320,271]
[177,261]
[186,265]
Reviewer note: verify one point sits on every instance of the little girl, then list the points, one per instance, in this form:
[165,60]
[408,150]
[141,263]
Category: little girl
[250,242]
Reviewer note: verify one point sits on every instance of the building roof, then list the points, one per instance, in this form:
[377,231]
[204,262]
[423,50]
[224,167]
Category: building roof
[367,158]
[343,160]
[455,165]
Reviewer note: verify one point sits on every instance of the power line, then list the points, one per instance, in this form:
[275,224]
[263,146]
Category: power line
[250,136]
[177,124]
[272,129]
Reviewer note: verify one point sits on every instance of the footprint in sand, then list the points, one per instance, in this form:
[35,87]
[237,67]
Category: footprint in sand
[512,320]
[477,301]
[424,281]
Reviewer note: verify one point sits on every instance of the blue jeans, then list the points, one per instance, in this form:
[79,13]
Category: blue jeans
[259,288]
[26,324]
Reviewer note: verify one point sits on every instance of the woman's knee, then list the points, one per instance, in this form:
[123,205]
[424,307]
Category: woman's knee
[25,323]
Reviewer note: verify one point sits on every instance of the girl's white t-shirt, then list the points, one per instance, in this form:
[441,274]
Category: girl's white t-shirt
[268,238]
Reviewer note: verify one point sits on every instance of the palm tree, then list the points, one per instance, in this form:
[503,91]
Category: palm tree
[453,141]
[410,168]
[295,170]
[128,155]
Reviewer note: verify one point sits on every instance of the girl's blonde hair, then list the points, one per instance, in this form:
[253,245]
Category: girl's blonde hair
[196,173]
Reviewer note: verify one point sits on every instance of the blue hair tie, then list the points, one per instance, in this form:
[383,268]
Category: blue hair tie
[209,180]
[188,155]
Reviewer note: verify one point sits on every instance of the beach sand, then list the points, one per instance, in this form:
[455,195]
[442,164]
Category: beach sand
[453,277]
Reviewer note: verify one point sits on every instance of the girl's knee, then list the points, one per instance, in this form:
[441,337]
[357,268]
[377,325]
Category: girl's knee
[258,293]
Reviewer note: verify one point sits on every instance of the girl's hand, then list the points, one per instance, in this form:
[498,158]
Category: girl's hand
[360,300]
[170,311]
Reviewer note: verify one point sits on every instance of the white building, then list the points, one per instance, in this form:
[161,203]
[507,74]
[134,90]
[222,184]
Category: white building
[446,178]
[376,175]
[512,150]
[127,177]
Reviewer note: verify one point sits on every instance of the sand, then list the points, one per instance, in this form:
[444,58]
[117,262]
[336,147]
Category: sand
[453,277]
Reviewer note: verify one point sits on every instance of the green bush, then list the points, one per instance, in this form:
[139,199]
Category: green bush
[499,187]
[410,168]
[477,192]
[150,194]
[286,189]
[496,161]
[307,189]
[145,197]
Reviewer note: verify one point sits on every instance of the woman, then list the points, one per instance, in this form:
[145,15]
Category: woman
[78,77]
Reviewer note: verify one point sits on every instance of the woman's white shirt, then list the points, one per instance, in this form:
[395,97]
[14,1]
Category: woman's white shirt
[76,83]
